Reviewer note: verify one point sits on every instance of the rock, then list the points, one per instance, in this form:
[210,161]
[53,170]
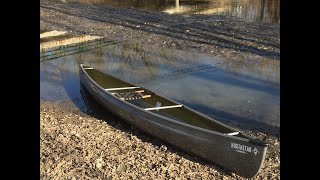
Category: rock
[100,163]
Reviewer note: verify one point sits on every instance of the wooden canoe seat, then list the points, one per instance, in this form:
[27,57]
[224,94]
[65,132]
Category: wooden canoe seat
[131,95]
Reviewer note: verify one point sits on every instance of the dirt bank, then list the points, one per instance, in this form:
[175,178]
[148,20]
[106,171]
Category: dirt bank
[217,35]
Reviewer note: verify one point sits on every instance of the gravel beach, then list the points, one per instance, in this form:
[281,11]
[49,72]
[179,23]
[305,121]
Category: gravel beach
[77,145]
[90,145]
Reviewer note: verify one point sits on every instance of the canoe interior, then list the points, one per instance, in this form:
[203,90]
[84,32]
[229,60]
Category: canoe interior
[181,114]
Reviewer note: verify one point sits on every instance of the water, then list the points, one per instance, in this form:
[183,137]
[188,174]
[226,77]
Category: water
[250,10]
[243,92]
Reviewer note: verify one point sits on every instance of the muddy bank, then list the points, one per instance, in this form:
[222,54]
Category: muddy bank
[212,34]
[77,145]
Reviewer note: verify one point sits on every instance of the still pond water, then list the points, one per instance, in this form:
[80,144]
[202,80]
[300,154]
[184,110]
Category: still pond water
[245,92]
[250,10]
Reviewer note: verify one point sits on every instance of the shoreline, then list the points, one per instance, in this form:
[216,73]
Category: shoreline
[210,34]
[77,145]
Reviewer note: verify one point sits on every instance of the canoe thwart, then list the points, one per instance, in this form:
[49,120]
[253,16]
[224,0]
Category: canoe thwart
[233,133]
[121,88]
[163,107]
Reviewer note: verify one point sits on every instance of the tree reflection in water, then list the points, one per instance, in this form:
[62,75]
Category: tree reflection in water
[251,10]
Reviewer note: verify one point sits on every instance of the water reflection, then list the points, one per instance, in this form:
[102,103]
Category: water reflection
[58,80]
[144,62]
[251,10]
[147,63]
[247,92]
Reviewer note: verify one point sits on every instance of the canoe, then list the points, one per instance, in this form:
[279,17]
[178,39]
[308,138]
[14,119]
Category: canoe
[176,123]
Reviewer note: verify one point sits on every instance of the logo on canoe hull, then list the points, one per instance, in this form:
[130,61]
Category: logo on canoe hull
[244,149]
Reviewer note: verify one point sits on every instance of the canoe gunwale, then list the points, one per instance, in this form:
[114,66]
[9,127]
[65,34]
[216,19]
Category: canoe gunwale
[248,139]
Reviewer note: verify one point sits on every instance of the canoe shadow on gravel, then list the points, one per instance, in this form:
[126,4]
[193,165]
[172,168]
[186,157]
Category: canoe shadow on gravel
[97,111]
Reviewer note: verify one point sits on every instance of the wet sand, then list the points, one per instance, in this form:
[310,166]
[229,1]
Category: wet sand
[77,145]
